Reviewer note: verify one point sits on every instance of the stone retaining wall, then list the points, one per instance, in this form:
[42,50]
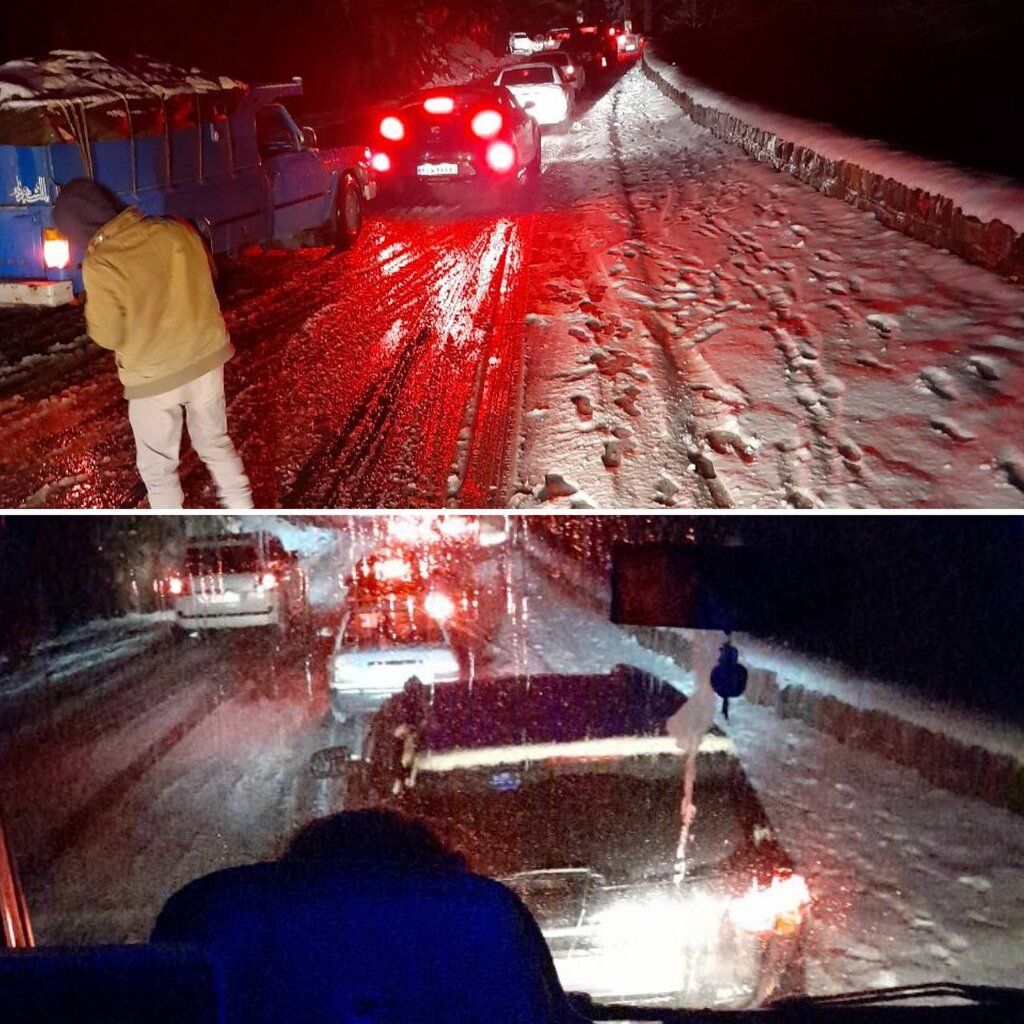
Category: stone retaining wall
[926,216]
[995,778]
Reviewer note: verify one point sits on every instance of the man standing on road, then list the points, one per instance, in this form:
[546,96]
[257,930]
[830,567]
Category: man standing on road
[150,299]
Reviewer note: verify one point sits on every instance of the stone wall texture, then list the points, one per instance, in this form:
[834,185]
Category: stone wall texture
[926,216]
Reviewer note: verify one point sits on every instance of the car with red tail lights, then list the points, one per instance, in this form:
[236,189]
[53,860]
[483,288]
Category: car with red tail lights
[236,582]
[467,135]
[573,70]
[542,90]
[567,788]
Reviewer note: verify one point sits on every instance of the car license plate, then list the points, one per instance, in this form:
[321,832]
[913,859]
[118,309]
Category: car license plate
[228,597]
[437,170]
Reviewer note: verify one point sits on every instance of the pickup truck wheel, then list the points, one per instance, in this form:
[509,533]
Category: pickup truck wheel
[348,213]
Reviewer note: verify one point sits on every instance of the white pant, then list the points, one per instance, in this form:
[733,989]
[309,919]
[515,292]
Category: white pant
[156,423]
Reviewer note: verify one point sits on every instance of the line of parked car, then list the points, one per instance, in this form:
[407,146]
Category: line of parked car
[230,160]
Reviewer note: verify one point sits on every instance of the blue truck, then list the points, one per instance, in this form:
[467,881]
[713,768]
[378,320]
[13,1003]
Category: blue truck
[226,157]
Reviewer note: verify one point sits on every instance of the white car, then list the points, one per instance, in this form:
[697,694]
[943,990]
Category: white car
[519,44]
[541,90]
[573,70]
[378,650]
[236,582]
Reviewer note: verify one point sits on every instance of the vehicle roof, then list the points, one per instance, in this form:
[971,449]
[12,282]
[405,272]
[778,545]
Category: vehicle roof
[526,65]
[462,89]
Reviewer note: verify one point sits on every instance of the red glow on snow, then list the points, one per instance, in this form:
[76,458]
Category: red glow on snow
[392,128]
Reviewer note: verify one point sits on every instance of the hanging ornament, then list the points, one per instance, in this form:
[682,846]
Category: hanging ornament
[728,677]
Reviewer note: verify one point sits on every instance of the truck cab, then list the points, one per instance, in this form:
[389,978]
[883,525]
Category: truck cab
[225,157]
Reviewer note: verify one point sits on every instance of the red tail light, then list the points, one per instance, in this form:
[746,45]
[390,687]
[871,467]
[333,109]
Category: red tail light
[392,128]
[176,586]
[611,31]
[501,157]
[268,581]
[381,162]
[439,104]
[56,249]
[486,124]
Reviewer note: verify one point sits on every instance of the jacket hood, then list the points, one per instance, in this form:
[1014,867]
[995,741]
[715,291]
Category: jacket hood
[82,208]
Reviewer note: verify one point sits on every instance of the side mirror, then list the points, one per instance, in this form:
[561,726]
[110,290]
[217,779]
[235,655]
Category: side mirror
[309,138]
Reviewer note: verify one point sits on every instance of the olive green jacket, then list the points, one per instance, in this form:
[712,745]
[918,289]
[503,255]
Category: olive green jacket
[149,297]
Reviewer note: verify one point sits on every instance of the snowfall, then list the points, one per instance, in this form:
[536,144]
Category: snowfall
[667,324]
[909,882]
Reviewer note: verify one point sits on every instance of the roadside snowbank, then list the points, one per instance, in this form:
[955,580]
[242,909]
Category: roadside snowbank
[979,217]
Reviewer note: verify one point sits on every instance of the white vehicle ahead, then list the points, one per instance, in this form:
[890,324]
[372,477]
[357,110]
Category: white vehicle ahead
[236,582]
[378,650]
[520,44]
[573,70]
[541,90]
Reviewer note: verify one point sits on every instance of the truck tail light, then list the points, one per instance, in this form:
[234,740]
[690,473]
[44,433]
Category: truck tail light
[439,104]
[176,586]
[392,128]
[56,249]
[501,157]
[381,162]
[486,124]
[268,581]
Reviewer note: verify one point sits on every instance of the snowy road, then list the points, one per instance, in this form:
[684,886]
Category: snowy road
[178,762]
[671,324]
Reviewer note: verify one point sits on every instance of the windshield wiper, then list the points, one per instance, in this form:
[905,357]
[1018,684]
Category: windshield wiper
[986,1002]
[980,995]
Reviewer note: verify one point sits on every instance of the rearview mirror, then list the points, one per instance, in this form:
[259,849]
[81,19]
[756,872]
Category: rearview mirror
[309,138]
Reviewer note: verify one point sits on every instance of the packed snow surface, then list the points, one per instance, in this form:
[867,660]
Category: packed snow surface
[667,323]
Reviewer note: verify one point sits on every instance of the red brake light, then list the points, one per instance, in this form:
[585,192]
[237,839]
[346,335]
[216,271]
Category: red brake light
[268,581]
[176,585]
[381,162]
[392,128]
[611,31]
[56,249]
[439,104]
[440,607]
[486,124]
[501,157]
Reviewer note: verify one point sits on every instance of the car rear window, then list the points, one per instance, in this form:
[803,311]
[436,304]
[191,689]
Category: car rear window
[230,558]
[528,76]
[379,626]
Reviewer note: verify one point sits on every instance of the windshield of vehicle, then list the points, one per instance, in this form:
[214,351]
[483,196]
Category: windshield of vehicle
[228,558]
[822,800]
[528,76]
